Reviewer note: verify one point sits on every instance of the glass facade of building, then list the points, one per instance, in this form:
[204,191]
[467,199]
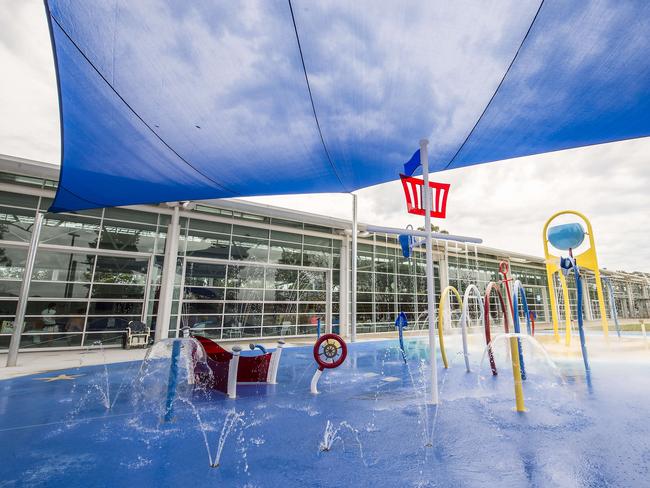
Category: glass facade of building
[238,274]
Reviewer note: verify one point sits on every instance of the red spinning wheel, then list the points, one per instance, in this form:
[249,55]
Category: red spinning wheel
[330,351]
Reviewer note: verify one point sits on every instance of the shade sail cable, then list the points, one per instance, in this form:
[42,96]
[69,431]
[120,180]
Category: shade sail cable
[311,99]
[505,75]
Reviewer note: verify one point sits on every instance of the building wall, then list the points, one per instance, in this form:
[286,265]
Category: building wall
[238,273]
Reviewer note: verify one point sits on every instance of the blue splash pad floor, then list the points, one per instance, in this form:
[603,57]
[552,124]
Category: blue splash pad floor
[59,434]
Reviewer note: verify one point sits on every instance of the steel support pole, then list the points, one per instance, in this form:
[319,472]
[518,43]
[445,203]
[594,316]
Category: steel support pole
[168,277]
[19,322]
[431,306]
[353,280]
[344,289]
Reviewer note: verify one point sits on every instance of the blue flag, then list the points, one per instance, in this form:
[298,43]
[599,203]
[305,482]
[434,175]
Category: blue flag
[412,164]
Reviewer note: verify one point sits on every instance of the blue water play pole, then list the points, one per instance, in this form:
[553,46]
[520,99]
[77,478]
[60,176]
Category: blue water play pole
[581,329]
[318,327]
[515,317]
[566,264]
[400,324]
[612,305]
[173,381]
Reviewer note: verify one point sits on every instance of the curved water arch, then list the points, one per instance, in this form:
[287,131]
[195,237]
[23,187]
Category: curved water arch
[486,319]
[441,310]
[464,316]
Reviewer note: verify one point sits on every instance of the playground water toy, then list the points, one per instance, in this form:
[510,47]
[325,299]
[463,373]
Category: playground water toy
[401,323]
[517,293]
[564,237]
[492,286]
[504,270]
[330,351]
[464,318]
[566,265]
[227,369]
[567,237]
[442,307]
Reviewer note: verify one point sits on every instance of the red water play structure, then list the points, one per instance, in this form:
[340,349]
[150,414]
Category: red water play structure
[227,369]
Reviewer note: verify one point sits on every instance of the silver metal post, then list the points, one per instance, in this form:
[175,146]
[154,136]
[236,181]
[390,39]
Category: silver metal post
[168,277]
[344,289]
[19,322]
[353,285]
[426,196]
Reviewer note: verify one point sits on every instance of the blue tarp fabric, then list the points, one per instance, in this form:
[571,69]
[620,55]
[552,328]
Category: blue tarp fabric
[198,100]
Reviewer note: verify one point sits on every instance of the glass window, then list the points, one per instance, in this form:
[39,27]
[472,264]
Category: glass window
[281,279]
[127,270]
[205,274]
[51,289]
[130,215]
[280,296]
[8,307]
[203,293]
[122,236]
[245,276]
[45,307]
[29,341]
[12,263]
[16,224]
[63,266]
[115,308]
[70,230]
[312,280]
[205,244]
[118,291]
[244,295]
[240,230]
[286,236]
[285,253]
[208,226]
[317,257]
[109,323]
[318,241]
[287,223]
[18,199]
[203,308]
[249,249]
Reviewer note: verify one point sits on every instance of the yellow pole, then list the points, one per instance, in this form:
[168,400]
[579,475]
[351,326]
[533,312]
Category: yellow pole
[516,375]
[441,319]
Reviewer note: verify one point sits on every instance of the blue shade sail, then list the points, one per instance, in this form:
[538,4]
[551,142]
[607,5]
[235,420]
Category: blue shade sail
[175,100]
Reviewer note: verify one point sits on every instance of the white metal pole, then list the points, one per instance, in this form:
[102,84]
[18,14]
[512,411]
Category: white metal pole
[353,285]
[19,322]
[168,277]
[431,306]
[344,289]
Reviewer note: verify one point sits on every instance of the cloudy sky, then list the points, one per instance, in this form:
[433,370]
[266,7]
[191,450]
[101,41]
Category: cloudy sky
[505,203]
